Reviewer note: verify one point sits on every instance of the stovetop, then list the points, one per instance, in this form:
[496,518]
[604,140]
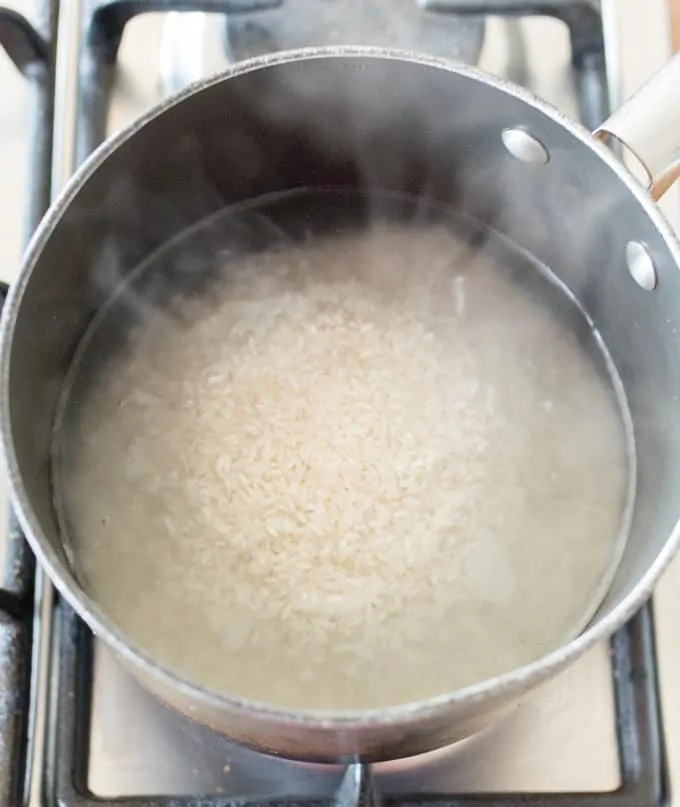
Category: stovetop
[603,731]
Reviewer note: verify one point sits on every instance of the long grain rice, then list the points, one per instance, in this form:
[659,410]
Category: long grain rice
[358,473]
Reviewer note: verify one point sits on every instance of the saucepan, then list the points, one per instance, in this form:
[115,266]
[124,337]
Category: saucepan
[362,119]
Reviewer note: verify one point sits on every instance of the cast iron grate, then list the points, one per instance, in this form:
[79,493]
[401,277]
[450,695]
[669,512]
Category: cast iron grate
[639,729]
[638,725]
[29,47]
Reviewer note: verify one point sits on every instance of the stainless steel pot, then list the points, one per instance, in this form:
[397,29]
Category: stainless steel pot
[368,119]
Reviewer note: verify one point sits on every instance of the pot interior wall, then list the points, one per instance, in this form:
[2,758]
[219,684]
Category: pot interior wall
[362,123]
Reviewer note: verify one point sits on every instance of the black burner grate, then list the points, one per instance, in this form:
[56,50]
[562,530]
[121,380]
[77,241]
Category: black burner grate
[639,732]
[64,776]
[29,46]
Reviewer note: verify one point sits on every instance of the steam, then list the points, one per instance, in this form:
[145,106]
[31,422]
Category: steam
[381,140]
[412,142]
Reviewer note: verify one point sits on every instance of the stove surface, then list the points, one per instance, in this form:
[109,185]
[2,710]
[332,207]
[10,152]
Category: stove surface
[397,24]
[563,738]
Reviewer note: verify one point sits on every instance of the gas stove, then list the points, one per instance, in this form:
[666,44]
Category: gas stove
[75,729]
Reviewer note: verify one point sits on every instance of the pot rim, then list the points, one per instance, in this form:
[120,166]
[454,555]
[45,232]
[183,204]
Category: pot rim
[140,661]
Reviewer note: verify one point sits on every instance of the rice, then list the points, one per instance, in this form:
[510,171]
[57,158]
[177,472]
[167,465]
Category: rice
[357,473]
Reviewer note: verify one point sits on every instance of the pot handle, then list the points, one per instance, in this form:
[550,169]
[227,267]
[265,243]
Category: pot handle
[648,127]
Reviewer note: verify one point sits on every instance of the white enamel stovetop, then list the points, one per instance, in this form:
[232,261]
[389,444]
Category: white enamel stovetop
[638,36]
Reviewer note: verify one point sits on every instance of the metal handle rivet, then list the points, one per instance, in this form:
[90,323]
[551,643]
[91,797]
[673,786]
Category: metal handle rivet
[641,265]
[525,147]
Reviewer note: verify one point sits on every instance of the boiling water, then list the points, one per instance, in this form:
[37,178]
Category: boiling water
[334,452]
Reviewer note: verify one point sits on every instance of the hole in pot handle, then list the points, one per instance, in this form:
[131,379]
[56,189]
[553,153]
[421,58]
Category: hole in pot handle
[648,125]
